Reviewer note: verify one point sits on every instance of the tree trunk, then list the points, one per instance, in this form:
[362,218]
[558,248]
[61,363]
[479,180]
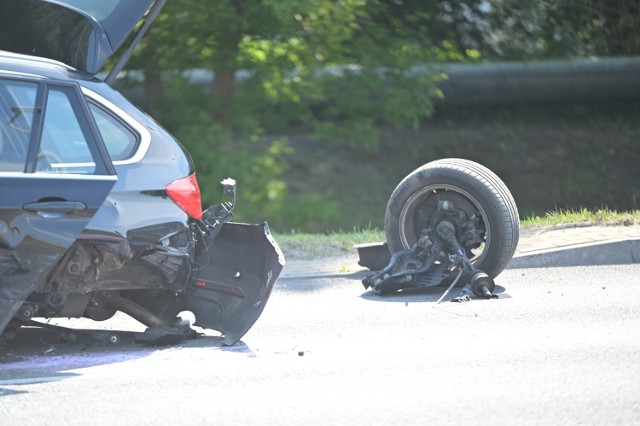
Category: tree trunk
[153,86]
[225,61]
[223,93]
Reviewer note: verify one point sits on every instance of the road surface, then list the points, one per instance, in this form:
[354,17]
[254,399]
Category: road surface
[560,346]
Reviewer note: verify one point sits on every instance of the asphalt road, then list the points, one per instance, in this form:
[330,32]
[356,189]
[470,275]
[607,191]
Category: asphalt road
[561,346]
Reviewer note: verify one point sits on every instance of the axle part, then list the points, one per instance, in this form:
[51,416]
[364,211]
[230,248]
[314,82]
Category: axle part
[482,285]
[135,311]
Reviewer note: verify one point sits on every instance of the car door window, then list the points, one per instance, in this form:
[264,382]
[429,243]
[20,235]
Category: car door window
[17,103]
[64,147]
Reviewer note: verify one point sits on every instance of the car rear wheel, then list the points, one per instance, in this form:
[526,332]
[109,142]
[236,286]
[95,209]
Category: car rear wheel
[482,206]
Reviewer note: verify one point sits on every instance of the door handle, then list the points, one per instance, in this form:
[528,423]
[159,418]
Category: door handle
[55,207]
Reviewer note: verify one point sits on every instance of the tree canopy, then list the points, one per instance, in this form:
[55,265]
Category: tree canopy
[286,49]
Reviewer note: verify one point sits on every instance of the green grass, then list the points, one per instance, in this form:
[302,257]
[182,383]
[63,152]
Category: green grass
[309,246]
[596,217]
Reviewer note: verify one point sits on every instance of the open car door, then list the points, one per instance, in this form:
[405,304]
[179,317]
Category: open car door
[54,175]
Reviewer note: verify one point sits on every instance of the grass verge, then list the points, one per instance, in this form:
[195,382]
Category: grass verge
[604,217]
[309,246]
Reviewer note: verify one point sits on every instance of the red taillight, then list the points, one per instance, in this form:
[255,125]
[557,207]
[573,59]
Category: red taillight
[186,194]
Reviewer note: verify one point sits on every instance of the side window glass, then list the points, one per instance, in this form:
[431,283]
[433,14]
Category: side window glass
[63,147]
[119,140]
[17,103]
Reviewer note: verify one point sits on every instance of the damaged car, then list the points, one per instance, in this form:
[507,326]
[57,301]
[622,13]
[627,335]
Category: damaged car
[100,209]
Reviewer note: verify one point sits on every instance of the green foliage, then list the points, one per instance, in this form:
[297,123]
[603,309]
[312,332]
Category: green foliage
[313,212]
[467,30]
[357,104]
[255,161]
[288,48]
[520,29]
[346,71]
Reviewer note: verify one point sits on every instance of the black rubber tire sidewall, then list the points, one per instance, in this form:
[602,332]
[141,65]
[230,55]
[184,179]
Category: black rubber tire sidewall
[500,212]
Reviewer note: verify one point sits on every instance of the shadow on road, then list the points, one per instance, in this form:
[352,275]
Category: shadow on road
[6,392]
[422,295]
[40,355]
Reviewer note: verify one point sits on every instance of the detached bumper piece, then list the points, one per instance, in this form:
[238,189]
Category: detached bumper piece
[235,273]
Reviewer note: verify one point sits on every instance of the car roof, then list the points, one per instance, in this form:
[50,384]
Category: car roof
[34,67]
[38,67]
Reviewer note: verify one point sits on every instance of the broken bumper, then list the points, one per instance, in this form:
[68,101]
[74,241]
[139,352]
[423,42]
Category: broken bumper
[236,269]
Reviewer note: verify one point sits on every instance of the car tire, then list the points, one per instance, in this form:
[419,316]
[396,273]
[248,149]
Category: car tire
[472,188]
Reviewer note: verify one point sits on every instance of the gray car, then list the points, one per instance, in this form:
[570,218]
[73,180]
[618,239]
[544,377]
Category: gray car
[100,209]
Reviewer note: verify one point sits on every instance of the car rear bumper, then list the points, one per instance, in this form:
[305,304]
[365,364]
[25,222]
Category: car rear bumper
[234,275]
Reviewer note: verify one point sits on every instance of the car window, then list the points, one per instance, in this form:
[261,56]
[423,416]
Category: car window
[63,147]
[17,103]
[119,139]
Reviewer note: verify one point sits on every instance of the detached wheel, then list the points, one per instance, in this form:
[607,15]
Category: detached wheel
[478,202]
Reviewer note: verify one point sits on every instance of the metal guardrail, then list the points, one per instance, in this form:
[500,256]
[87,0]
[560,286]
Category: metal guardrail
[578,80]
[491,83]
